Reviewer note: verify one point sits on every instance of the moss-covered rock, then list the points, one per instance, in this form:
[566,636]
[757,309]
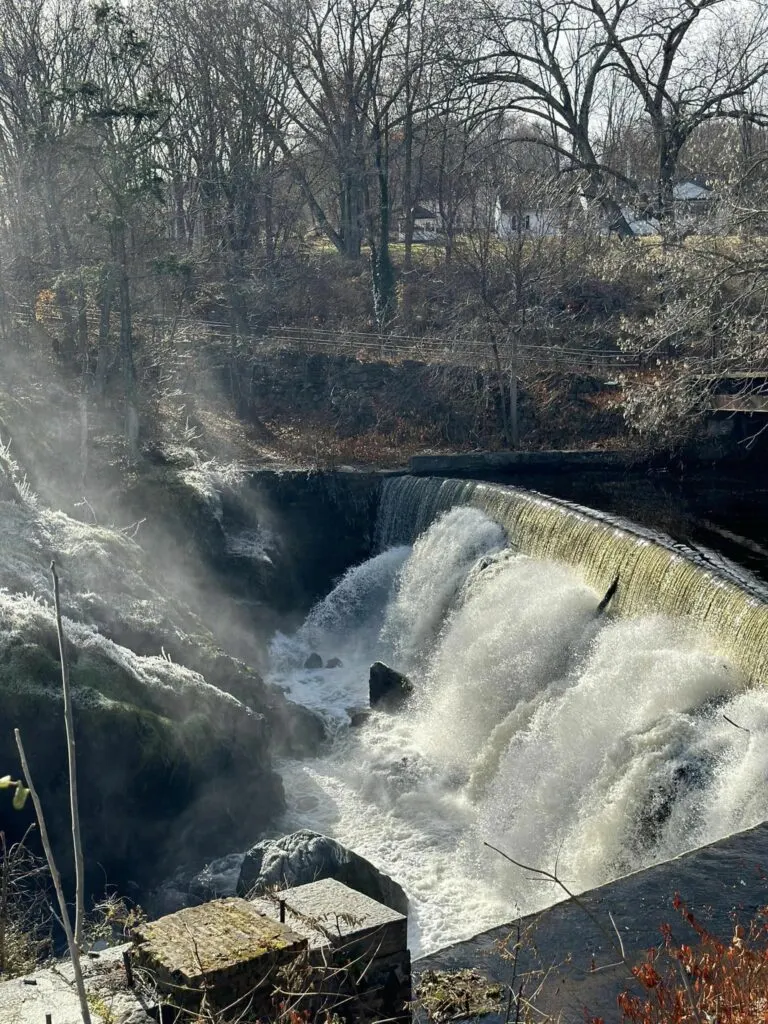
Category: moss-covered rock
[175,737]
[170,768]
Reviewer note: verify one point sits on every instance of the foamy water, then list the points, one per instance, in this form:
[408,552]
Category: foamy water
[596,745]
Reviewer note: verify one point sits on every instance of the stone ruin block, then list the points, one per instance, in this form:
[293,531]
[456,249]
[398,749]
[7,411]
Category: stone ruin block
[354,943]
[225,950]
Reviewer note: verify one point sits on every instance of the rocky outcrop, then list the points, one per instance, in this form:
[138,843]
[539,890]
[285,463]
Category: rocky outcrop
[387,687]
[174,736]
[307,856]
[313,661]
[298,508]
[169,766]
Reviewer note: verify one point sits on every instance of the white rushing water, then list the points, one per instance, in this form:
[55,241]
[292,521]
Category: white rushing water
[597,745]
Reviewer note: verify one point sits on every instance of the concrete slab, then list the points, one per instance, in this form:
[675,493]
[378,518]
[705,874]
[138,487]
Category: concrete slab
[328,912]
[358,945]
[575,961]
[225,948]
[51,990]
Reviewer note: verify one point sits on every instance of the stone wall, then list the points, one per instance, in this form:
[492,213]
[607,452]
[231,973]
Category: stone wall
[573,947]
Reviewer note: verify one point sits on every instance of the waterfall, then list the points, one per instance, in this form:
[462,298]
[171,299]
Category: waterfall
[656,574]
[600,744]
[424,597]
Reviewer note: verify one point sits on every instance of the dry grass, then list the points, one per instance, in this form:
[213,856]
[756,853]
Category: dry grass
[321,447]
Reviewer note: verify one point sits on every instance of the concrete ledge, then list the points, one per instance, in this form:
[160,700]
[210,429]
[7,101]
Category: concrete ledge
[576,956]
[51,990]
[480,463]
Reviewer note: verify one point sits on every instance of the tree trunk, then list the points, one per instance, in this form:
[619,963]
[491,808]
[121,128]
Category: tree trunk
[106,294]
[596,192]
[351,211]
[126,338]
[501,389]
[409,218]
[669,147]
[513,395]
[382,269]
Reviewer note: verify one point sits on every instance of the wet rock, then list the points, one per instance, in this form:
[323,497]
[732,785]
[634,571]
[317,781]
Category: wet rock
[313,661]
[295,731]
[334,663]
[168,898]
[217,879]
[340,507]
[388,687]
[306,856]
[358,717]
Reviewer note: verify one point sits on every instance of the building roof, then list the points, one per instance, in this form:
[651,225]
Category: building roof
[689,191]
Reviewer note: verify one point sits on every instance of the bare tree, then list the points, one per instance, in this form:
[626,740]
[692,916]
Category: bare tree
[691,62]
[554,56]
[230,187]
[342,56]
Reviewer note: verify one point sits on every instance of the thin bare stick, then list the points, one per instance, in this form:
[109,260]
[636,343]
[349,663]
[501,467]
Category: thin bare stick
[71,760]
[579,902]
[688,990]
[74,952]
[618,936]
[730,721]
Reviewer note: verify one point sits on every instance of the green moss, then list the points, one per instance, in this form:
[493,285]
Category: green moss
[96,672]
[217,936]
[29,660]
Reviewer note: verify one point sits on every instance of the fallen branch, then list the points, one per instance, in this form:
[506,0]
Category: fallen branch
[736,725]
[579,902]
[609,595]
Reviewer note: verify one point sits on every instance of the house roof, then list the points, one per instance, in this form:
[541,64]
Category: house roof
[640,225]
[689,191]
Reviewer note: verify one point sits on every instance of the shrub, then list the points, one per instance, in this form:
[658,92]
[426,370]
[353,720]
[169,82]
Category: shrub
[25,918]
[707,980]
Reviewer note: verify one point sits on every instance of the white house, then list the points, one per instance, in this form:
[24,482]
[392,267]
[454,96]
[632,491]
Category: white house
[543,222]
[509,219]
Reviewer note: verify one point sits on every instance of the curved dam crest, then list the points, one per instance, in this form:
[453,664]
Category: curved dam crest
[656,575]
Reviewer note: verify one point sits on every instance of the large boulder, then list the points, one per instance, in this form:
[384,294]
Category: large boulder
[387,686]
[306,856]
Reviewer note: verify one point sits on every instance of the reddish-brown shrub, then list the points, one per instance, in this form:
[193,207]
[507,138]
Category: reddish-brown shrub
[707,981]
